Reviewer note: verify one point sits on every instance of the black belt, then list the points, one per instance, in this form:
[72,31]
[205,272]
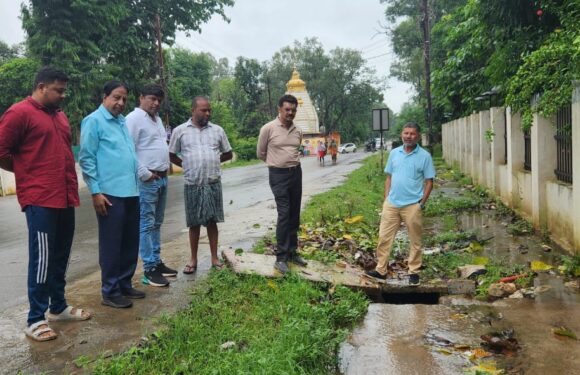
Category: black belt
[284,170]
[161,174]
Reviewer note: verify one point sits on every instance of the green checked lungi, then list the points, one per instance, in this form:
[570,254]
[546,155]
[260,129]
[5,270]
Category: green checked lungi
[203,204]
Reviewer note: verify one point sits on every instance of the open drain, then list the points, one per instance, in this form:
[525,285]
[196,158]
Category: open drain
[406,298]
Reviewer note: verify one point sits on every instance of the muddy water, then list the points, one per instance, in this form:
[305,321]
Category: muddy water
[423,339]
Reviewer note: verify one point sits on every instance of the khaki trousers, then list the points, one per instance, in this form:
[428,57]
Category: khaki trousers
[391,218]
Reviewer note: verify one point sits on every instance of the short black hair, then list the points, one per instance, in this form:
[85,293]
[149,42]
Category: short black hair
[413,125]
[153,89]
[49,74]
[287,99]
[111,85]
[198,99]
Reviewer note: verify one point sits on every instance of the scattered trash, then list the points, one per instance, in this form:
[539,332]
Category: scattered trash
[228,345]
[541,288]
[517,295]
[501,342]
[564,331]
[546,248]
[500,290]
[488,368]
[512,278]
[432,251]
[537,265]
[479,353]
[573,284]
[471,271]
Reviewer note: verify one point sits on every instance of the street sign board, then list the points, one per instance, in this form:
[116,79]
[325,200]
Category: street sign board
[381,119]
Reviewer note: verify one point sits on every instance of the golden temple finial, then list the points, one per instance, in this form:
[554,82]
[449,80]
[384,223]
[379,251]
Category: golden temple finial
[295,83]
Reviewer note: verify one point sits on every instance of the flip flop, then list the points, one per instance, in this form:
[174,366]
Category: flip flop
[67,315]
[35,331]
[189,269]
[218,266]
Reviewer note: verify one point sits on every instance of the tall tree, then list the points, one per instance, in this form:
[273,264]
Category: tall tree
[95,41]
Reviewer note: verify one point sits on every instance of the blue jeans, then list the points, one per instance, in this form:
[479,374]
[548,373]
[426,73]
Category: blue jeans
[50,236]
[152,199]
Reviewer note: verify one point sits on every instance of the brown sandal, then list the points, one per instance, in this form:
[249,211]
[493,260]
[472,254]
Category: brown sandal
[189,269]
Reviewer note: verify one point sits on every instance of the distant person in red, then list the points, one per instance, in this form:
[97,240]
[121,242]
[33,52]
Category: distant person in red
[333,148]
[321,149]
[35,144]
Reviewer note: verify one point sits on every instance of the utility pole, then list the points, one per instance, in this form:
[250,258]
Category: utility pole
[161,68]
[426,55]
[162,80]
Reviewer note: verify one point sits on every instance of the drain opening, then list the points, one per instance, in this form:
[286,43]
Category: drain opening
[407,298]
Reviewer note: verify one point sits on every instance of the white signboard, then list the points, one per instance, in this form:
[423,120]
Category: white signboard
[381,119]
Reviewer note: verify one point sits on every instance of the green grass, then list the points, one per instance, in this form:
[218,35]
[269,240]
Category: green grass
[444,265]
[453,239]
[361,194]
[284,326]
[439,204]
[240,163]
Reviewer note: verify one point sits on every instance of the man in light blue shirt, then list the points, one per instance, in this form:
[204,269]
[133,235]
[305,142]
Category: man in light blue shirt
[409,182]
[148,133]
[109,164]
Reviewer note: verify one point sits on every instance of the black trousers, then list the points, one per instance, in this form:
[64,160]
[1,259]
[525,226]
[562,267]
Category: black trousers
[286,185]
[118,245]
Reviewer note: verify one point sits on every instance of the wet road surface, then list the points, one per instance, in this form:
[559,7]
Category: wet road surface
[249,214]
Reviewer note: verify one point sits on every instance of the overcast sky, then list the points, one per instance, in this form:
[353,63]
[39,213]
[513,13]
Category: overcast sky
[259,28]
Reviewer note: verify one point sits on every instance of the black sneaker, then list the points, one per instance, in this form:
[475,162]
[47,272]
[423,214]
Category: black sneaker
[154,277]
[296,259]
[132,293]
[166,271]
[414,280]
[118,302]
[282,267]
[376,274]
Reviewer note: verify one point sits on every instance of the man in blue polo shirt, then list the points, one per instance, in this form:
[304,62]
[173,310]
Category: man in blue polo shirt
[409,182]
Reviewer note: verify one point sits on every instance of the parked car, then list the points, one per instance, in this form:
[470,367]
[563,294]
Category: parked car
[346,148]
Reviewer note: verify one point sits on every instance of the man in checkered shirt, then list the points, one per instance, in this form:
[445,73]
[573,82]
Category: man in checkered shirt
[199,147]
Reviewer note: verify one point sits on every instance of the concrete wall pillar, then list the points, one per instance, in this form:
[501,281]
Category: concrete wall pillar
[576,163]
[465,151]
[475,157]
[543,164]
[484,147]
[515,159]
[498,127]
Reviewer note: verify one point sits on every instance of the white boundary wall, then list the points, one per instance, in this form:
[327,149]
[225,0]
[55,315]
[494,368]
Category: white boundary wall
[536,195]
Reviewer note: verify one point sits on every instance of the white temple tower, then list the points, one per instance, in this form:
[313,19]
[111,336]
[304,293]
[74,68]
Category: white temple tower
[306,118]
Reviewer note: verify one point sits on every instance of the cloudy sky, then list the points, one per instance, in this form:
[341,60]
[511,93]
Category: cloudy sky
[259,28]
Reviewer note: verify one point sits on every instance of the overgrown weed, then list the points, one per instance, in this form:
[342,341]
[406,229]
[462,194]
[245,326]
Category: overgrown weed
[245,324]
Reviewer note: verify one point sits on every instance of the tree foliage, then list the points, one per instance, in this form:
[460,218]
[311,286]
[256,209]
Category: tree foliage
[520,48]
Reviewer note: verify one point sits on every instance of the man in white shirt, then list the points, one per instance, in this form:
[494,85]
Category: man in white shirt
[149,135]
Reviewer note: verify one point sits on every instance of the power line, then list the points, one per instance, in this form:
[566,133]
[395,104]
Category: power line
[377,56]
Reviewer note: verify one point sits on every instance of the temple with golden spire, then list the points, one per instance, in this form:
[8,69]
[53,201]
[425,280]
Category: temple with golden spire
[306,118]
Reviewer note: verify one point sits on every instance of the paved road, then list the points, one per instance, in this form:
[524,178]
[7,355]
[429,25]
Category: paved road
[243,187]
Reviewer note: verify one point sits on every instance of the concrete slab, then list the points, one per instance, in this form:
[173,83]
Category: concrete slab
[342,274]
